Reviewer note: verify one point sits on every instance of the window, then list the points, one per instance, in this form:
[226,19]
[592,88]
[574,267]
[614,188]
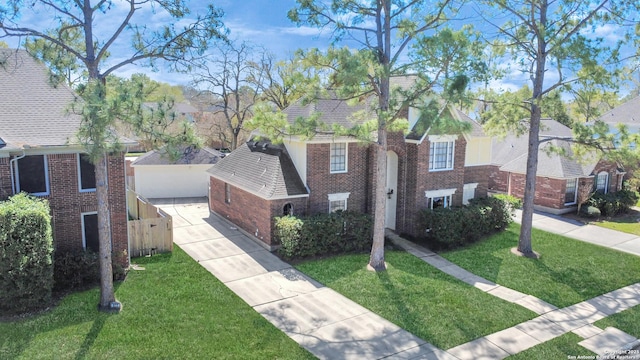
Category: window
[602,182]
[32,175]
[468,192]
[90,231]
[439,198]
[86,174]
[287,209]
[441,155]
[338,202]
[338,157]
[227,193]
[571,192]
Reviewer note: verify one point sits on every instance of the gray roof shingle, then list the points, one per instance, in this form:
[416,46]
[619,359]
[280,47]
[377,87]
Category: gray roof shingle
[261,168]
[32,111]
[627,113]
[190,156]
[510,153]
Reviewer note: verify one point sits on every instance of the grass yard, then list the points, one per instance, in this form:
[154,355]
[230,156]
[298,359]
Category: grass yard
[628,223]
[417,297]
[174,309]
[627,321]
[569,271]
[559,348]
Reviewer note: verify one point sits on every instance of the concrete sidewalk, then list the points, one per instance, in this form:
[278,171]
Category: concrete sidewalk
[331,326]
[588,233]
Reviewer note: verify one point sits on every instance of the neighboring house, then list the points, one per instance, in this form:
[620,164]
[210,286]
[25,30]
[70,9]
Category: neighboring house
[260,181]
[40,155]
[559,178]
[158,176]
[627,114]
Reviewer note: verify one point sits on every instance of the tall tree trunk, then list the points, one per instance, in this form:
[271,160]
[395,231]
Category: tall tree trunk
[376,260]
[107,295]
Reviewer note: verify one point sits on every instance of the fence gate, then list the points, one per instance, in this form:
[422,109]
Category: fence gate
[150,228]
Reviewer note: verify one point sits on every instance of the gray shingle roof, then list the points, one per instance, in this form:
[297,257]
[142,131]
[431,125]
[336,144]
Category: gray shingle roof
[510,153]
[331,110]
[190,156]
[504,150]
[32,111]
[552,164]
[261,168]
[627,113]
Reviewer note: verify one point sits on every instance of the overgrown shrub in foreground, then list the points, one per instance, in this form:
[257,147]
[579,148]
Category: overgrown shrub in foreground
[26,247]
[453,227]
[615,203]
[322,234]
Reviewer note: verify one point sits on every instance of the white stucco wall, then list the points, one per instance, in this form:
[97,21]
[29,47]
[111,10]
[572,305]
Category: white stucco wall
[169,181]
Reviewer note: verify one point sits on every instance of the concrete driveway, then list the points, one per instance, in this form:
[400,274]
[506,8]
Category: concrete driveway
[324,322]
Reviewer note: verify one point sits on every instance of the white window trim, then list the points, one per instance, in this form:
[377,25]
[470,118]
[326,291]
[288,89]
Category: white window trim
[606,183]
[338,197]
[575,193]
[84,237]
[346,157]
[442,139]
[80,178]
[46,177]
[430,194]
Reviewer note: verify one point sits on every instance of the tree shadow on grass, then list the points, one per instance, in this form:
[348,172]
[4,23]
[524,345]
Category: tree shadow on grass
[91,336]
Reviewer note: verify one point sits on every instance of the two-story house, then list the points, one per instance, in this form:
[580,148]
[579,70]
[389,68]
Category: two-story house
[260,180]
[40,155]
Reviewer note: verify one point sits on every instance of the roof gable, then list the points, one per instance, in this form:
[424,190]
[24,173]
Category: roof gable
[261,168]
[627,113]
[33,112]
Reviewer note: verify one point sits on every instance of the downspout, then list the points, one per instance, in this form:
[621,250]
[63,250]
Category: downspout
[126,203]
[11,165]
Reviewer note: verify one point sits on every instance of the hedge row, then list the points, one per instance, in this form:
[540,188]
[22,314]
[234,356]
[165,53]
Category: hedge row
[322,234]
[453,227]
[26,247]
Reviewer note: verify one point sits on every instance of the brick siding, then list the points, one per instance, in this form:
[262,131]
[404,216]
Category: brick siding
[68,203]
[251,213]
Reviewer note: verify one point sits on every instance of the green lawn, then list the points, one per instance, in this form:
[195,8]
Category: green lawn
[628,223]
[627,321]
[174,309]
[417,297]
[559,348]
[569,271]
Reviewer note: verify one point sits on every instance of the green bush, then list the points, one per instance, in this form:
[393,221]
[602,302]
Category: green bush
[612,204]
[322,234]
[512,201]
[453,227]
[590,211]
[75,269]
[26,247]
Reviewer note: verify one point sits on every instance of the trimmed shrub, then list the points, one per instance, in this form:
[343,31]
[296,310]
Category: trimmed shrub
[454,227]
[612,204]
[512,201]
[26,247]
[76,270]
[590,211]
[323,234]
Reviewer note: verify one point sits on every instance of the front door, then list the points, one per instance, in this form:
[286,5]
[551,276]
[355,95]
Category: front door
[392,190]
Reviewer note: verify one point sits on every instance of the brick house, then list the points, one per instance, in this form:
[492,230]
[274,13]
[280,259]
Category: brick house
[559,178]
[329,173]
[39,154]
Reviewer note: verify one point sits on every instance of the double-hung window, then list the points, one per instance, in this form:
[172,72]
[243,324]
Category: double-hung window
[602,182]
[338,158]
[86,174]
[32,175]
[571,192]
[441,155]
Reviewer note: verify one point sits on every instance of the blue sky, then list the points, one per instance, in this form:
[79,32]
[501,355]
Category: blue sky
[262,22]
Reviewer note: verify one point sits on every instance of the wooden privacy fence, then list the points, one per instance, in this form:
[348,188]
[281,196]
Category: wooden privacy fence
[150,228]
